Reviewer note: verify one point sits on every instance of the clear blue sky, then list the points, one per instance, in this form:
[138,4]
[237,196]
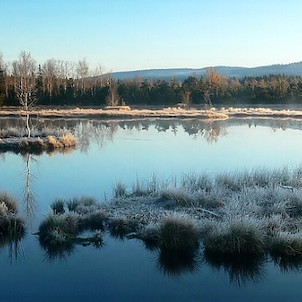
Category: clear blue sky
[143,34]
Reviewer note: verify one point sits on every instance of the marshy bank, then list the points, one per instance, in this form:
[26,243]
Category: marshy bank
[12,140]
[146,112]
[230,219]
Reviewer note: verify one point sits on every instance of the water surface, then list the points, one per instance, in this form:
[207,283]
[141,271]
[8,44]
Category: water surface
[111,151]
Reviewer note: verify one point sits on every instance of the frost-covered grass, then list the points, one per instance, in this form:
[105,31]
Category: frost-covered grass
[221,219]
[211,113]
[61,230]
[235,214]
[38,145]
[236,239]
[12,226]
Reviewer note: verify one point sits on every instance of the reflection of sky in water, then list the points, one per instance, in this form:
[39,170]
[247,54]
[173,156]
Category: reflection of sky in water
[128,154]
[125,271]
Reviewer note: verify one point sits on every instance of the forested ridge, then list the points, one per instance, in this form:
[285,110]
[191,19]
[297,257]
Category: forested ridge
[57,82]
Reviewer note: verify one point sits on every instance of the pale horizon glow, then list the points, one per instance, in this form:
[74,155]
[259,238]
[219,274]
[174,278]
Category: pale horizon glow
[123,35]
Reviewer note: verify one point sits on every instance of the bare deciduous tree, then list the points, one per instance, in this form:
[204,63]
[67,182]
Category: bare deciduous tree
[25,73]
[50,75]
[2,80]
[113,97]
[82,73]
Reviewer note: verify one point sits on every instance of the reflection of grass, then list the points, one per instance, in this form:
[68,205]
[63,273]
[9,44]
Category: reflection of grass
[178,244]
[240,269]
[60,231]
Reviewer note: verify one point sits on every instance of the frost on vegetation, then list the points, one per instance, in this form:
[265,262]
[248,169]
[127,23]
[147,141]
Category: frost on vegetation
[12,226]
[61,230]
[244,214]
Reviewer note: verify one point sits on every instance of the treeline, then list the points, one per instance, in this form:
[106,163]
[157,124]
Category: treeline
[58,82]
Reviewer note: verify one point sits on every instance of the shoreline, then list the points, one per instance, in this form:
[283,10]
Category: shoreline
[126,112]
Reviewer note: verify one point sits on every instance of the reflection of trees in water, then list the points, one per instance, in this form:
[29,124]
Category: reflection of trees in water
[211,131]
[240,270]
[29,198]
[214,132]
[101,133]
[273,123]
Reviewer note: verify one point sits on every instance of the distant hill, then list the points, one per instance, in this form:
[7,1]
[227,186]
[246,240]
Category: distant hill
[294,69]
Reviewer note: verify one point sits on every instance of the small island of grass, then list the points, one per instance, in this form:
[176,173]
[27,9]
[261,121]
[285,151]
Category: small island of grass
[253,214]
[37,144]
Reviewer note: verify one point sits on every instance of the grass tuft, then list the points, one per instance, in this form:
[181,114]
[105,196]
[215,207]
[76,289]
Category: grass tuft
[8,204]
[179,197]
[285,244]
[119,190]
[58,206]
[68,140]
[178,233]
[120,227]
[238,238]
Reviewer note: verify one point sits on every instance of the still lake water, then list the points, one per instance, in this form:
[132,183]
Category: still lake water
[111,151]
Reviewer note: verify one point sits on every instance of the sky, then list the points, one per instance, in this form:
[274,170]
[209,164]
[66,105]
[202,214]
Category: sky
[125,35]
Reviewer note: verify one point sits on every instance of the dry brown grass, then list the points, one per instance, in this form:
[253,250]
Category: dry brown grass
[68,140]
[53,142]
